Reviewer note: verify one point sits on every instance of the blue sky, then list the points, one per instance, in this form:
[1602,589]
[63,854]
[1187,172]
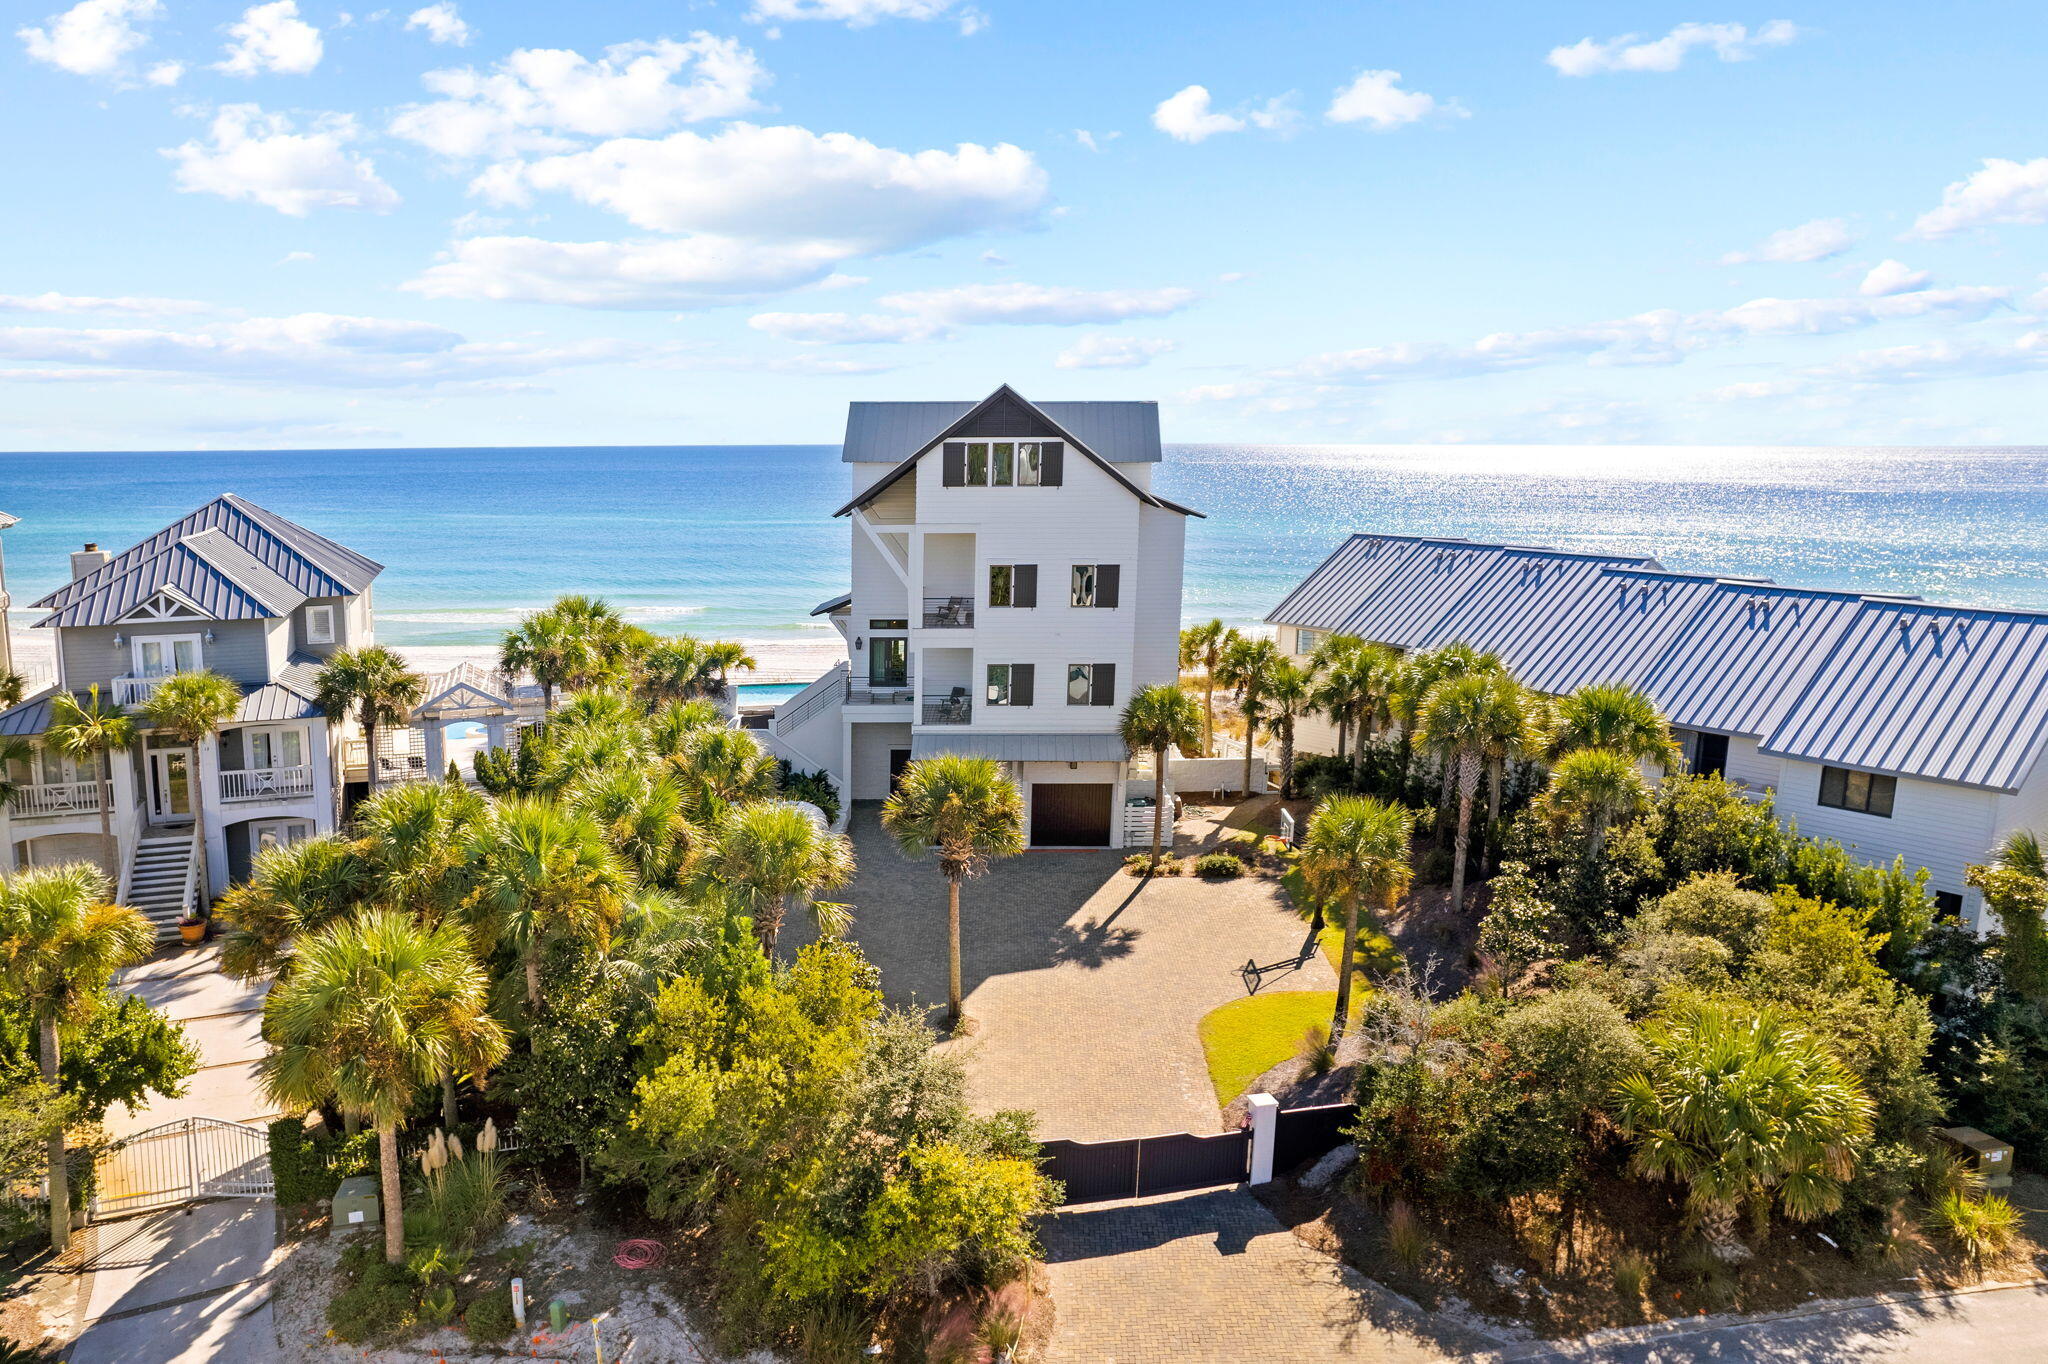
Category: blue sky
[473,224]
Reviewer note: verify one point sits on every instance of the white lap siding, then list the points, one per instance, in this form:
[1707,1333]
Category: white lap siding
[1942,828]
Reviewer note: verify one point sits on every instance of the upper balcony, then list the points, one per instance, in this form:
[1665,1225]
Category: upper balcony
[266,783]
[949,613]
[134,689]
[60,798]
[954,707]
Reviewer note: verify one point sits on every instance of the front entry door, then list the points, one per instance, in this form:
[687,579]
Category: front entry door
[899,759]
[170,785]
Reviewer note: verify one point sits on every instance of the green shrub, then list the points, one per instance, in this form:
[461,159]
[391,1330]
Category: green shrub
[1218,866]
[1631,1276]
[489,1316]
[1981,1228]
[382,1304]
[307,1164]
[814,787]
[1435,868]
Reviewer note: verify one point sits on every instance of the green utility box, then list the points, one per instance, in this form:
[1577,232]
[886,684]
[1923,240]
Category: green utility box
[1986,1154]
[355,1206]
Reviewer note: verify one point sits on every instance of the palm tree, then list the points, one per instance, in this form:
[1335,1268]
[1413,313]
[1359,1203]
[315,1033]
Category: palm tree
[1204,647]
[1601,786]
[1746,1111]
[189,707]
[1245,669]
[1356,848]
[770,856]
[378,1008]
[373,686]
[292,891]
[1290,694]
[640,812]
[605,643]
[2021,852]
[545,646]
[676,669]
[1340,671]
[721,768]
[968,813]
[542,872]
[672,724]
[1468,719]
[1157,720]
[13,686]
[94,730]
[60,943]
[723,656]
[1616,717]
[12,752]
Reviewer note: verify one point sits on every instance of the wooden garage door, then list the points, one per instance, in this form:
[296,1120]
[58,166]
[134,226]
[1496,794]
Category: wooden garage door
[1070,814]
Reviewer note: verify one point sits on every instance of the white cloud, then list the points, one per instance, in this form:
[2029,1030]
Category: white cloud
[442,24]
[537,98]
[92,38]
[700,271]
[1817,240]
[1187,116]
[842,329]
[1630,52]
[129,306]
[265,159]
[1935,360]
[929,314]
[316,349]
[861,13]
[1112,352]
[1892,277]
[2000,191]
[165,73]
[1376,97]
[1094,142]
[295,257]
[271,38]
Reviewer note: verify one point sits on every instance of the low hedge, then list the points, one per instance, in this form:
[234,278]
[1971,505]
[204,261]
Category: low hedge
[307,1165]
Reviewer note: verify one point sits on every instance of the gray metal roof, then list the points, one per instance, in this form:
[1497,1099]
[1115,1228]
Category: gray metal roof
[28,719]
[1959,695]
[230,554]
[883,433]
[1019,748]
[831,604]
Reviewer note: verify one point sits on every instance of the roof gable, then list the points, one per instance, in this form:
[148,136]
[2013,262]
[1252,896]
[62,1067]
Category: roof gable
[1122,431]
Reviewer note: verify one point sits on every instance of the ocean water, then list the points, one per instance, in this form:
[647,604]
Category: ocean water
[739,541]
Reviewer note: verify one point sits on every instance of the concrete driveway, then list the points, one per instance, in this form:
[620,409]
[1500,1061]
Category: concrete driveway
[224,1019]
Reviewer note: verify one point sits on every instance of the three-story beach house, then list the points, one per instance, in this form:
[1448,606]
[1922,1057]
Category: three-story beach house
[1893,725]
[232,589]
[1014,580]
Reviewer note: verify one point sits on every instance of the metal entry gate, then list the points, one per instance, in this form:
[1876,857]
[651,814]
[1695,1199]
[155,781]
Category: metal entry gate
[181,1161]
[1097,1171]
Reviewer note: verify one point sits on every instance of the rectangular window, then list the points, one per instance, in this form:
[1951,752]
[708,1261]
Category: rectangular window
[1010,684]
[1864,792]
[1091,684]
[1027,464]
[1013,585]
[1096,585]
[163,655]
[1307,641]
[1002,464]
[1948,904]
[977,464]
[276,748]
[1083,593]
[320,625]
[888,625]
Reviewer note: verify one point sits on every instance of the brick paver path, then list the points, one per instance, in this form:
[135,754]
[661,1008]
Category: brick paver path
[1213,1278]
[1085,985]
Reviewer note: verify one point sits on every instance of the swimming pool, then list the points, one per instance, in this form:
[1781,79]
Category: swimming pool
[768,693]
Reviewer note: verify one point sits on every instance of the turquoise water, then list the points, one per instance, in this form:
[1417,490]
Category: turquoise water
[766,693]
[740,541]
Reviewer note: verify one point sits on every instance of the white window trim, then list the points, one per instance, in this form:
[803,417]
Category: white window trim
[315,632]
[275,733]
[289,831]
[170,646]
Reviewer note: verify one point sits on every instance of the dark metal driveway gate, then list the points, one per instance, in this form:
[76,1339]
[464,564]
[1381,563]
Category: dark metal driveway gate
[1098,1171]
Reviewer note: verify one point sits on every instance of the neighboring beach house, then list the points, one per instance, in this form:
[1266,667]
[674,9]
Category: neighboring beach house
[231,588]
[1014,580]
[1896,726]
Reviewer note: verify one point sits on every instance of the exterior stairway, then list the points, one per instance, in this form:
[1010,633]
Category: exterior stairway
[160,880]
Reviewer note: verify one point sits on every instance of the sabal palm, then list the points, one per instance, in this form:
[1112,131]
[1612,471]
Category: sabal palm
[292,891]
[1338,682]
[1203,648]
[14,753]
[640,812]
[374,687]
[543,871]
[93,730]
[378,1008]
[1356,849]
[1614,716]
[1469,720]
[546,647]
[1746,1110]
[2021,852]
[605,643]
[189,707]
[1157,720]
[671,725]
[60,944]
[415,842]
[1246,666]
[1290,694]
[1601,786]
[677,669]
[724,655]
[721,768]
[966,812]
[13,686]
[772,857]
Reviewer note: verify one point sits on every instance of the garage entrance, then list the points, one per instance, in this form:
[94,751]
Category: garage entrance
[1070,814]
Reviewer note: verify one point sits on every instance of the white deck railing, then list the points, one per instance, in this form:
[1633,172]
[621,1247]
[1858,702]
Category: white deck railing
[133,691]
[823,694]
[58,798]
[266,783]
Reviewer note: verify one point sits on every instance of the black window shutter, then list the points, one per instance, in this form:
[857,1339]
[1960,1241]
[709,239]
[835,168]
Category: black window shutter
[1107,577]
[1024,585]
[1103,693]
[955,474]
[1020,683]
[1051,462]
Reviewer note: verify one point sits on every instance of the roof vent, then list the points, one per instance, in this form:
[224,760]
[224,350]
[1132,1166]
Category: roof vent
[87,560]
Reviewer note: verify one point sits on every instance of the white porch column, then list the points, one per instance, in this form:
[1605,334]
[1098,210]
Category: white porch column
[494,732]
[321,740]
[1265,1116]
[208,758]
[437,750]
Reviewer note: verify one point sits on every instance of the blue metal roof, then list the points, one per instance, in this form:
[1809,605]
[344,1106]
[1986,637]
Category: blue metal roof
[1884,683]
[28,719]
[292,695]
[883,433]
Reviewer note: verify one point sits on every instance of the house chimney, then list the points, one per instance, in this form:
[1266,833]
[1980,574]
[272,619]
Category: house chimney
[84,561]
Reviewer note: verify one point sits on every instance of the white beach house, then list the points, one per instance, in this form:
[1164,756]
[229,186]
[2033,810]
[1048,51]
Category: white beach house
[1893,725]
[1014,580]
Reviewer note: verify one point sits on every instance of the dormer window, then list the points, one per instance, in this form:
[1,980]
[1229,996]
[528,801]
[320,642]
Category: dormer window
[1002,463]
[320,625]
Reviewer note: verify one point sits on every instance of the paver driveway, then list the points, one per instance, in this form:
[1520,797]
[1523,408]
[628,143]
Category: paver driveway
[1085,985]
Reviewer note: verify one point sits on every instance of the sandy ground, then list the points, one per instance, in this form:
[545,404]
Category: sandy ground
[781,660]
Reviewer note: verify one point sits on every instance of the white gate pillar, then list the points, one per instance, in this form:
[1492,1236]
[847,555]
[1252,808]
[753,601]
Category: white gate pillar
[1265,1119]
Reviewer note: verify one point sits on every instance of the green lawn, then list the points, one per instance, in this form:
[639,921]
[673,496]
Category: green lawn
[1377,954]
[1247,1037]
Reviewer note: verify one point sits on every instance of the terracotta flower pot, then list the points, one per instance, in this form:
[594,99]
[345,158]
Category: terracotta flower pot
[192,932]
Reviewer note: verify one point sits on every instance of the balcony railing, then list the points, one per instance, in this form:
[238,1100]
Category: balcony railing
[881,693]
[58,798]
[956,709]
[266,783]
[948,613]
[133,691]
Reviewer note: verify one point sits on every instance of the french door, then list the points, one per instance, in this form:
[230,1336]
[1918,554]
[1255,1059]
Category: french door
[170,785]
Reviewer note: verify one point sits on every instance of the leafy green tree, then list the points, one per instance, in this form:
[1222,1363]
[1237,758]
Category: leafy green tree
[1157,720]
[188,708]
[967,813]
[372,686]
[1356,849]
[376,1009]
[1203,648]
[1748,1112]
[93,731]
[60,943]
[771,858]
[543,872]
[116,1049]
